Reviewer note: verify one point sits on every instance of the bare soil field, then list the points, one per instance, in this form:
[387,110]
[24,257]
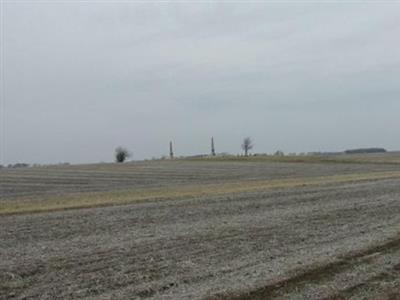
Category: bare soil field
[201,230]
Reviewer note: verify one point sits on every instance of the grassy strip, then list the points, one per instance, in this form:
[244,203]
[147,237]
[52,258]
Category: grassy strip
[343,159]
[98,199]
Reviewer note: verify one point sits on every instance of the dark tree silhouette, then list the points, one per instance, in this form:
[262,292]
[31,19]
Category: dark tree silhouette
[121,154]
[171,151]
[247,145]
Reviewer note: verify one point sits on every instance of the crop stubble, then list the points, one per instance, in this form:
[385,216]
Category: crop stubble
[333,241]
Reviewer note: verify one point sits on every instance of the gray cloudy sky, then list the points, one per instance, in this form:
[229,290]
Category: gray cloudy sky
[82,77]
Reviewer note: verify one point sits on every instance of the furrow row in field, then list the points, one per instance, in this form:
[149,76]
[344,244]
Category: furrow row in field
[194,248]
[350,274]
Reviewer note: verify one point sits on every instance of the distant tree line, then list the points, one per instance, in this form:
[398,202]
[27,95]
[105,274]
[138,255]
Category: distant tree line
[25,165]
[121,153]
[17,165]
[365,150]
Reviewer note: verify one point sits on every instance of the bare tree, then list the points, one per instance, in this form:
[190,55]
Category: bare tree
[247,145]
[121,154]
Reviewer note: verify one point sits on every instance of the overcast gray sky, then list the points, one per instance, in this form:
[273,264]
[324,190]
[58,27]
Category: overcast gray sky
[82,77]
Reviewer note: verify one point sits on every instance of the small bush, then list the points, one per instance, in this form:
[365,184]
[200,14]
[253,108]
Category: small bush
[121,154]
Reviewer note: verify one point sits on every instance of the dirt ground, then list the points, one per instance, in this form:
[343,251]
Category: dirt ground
[61,180]
[326,241]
